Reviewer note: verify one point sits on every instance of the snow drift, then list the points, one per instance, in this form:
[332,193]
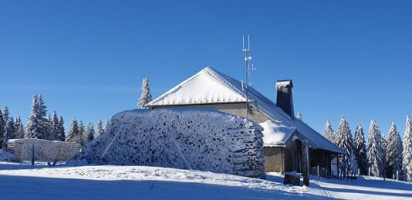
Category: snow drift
[177,138]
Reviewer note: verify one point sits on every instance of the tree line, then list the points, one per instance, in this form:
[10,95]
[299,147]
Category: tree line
[40,125]
[381,156]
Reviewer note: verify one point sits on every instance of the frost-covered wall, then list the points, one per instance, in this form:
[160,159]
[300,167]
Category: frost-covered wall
[187,139]
[44,150]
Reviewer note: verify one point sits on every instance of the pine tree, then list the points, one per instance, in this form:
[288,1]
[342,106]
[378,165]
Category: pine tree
[61,133]
[146,97]
[37,123]
[6,114]
[394,150]
[375,152]
[55,129]
[73,131]
[89,132]
[344,141]
[18,126]
[80,138]
[48,127]
[106,126]
[299,116]
[328,132]
[9,132]
[99,130]
[360,150]
[2,129]
[407,151]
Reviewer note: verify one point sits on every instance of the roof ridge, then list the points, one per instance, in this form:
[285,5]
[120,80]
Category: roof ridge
[223,80]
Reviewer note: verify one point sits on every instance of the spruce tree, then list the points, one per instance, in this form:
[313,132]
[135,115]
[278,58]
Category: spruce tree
[80,138]
[394,150]
[146,97]
[328,132]
[375,151]
[18,126]
[299,116]
[360,150]
[106,126]
[73,131]
[344,141]
[2,129]
[89,132]
[5,129]
[9,132]
[37,126]
[6,114]
[99,130]
[55,129]
[61,133]
[407,151]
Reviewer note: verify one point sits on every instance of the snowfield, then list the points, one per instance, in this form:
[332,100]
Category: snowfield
[23,181]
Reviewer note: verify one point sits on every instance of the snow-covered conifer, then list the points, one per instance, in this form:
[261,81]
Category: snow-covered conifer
[344,141]
[407,151]
[73,131]
[54,130]
[299,116]
[18,126]
[37,123]
[99,129]
[106,126]
[394,150]
[61,133]
[80,138]
[360,150]
[6,114]
[89,132]
[375,151]
[2,129]
[9,132]
[328,132]
[146,97]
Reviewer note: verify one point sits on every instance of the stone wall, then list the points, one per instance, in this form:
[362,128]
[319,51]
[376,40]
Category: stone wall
[44,150]
[274,159]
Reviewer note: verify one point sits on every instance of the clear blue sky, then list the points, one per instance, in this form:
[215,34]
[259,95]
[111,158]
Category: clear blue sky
[87,58]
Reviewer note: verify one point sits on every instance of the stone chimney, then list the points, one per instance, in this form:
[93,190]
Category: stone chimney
[284,98]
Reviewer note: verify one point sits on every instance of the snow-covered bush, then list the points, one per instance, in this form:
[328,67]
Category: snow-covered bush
[177,138]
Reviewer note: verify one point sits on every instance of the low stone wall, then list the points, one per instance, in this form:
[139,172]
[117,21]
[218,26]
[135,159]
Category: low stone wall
[44,150]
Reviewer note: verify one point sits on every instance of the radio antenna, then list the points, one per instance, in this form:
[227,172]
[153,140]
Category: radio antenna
[246,49]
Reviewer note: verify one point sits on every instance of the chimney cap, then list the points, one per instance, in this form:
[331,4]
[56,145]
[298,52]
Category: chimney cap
[284,83]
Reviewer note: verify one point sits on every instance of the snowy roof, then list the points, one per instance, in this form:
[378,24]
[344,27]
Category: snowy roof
[275,133]
[207,86]
[210,86]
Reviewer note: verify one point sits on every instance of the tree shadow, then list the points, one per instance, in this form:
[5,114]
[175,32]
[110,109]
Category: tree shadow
[23,187]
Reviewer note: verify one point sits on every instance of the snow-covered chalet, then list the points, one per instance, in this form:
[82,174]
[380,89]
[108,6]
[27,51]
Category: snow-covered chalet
[283,133]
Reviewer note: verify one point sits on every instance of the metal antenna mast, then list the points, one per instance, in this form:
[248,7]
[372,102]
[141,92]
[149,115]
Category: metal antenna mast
[246,49]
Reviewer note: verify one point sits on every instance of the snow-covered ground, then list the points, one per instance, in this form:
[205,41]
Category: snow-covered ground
[23,181]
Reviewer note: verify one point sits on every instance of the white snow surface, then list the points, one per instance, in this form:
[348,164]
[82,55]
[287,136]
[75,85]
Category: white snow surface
[22,181]
[180,138]
[210,86]
[7,156]
[276,134]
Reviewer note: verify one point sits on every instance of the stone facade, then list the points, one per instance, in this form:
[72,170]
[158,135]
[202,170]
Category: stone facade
[44,150]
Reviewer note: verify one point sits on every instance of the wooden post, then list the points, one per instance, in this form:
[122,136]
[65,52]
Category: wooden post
[305,160]
[32,154]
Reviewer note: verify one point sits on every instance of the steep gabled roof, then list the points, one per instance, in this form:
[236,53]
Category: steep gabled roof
[210,86]
[207,86]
